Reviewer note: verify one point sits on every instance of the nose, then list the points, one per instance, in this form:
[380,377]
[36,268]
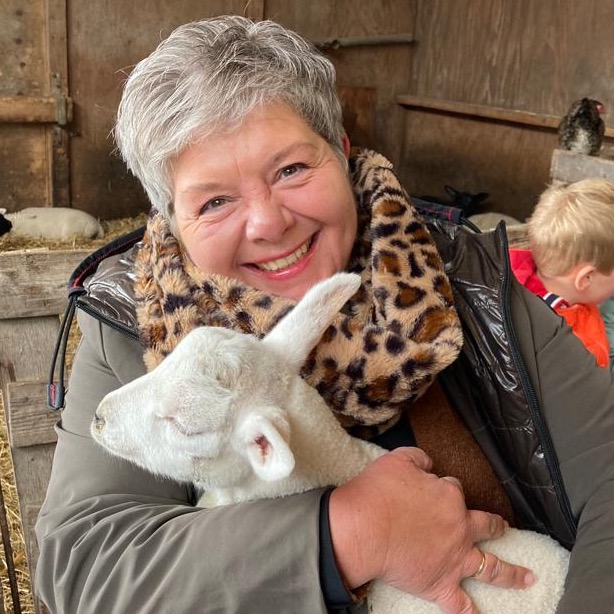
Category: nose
[268,218]
[98,422]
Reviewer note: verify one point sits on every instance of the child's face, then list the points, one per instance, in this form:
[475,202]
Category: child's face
[600,288]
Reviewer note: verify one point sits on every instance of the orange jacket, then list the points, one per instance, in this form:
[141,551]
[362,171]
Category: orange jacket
[585,320]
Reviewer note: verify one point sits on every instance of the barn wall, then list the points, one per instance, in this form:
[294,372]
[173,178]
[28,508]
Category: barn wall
[480,58]
[98,63]
[531,56]
[32,155]
[103,39]
[370,76]
[107,38]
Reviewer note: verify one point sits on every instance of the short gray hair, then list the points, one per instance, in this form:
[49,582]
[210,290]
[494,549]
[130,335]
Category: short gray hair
[208,75]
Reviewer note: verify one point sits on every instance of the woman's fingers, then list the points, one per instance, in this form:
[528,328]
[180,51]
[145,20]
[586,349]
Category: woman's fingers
[486,567]
[484,525]
[416,456]
[481,567]
[490,569]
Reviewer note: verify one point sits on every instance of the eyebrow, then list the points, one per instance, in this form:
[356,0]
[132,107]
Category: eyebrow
[272,162]
[282,153]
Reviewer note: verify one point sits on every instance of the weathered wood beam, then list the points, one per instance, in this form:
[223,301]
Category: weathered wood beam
[30,421]
[34,282]
[479,111]
[35,109]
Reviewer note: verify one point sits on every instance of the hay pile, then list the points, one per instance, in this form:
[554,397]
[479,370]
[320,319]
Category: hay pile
[113,229]
[11,504]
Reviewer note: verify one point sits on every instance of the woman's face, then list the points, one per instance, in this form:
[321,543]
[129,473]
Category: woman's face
[269,204]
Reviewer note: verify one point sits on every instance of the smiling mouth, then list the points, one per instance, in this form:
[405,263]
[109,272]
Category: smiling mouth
[287,261]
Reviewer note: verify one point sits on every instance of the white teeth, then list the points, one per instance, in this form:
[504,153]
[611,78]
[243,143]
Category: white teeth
[282,263]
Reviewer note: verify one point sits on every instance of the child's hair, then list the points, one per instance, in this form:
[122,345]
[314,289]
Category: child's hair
[574,224]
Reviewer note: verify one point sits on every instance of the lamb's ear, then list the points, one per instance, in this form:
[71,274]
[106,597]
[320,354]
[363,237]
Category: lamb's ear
[299,331]
[264,437]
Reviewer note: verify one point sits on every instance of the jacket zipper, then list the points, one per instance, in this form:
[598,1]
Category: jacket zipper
[532,400]
[107,321]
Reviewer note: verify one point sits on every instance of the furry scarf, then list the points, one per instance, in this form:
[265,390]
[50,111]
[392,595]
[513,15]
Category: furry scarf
[383,351]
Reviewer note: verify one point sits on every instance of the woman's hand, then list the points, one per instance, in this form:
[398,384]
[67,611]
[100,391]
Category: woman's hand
[411,529]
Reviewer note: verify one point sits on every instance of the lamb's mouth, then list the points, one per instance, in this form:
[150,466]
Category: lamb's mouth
[286,261]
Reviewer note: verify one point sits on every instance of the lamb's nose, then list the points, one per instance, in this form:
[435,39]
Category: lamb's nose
[98,422]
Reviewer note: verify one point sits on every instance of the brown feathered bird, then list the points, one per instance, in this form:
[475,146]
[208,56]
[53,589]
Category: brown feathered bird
[582,129]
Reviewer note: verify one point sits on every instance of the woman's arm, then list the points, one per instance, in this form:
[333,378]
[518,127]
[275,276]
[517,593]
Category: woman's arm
[578,401]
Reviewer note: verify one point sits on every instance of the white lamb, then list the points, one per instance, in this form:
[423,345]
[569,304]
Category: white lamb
[52,223]
[231,414]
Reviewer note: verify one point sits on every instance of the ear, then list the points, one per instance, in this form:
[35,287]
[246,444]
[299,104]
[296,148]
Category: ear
[583,277]
[264,442]
[299,331]
[346,144]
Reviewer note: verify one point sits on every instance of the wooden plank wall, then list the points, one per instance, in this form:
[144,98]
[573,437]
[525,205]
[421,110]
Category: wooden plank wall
[535,56]
[106,39]
[370,76]
[24,154]
[531,57]
[32,299]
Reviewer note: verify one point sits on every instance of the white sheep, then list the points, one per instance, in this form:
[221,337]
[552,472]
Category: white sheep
[488,221]
[52,223]
[230,413]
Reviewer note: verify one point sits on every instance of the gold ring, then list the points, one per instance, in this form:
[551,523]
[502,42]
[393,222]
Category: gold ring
[480,569]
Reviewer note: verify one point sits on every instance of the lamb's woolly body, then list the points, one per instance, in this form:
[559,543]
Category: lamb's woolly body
[231,414]
[54,223]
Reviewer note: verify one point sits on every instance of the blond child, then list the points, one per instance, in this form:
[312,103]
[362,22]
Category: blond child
[570,263]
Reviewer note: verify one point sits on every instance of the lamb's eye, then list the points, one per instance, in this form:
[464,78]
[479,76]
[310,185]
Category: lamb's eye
[224,378]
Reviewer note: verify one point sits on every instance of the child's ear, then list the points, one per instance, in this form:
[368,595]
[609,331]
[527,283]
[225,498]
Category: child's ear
[584,276]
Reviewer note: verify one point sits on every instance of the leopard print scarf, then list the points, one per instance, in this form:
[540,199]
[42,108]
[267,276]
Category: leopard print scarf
[383,351]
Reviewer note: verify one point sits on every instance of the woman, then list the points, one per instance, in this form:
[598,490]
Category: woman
[234,130]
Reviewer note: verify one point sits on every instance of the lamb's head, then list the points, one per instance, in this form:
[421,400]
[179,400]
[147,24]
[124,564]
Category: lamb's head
[214,411]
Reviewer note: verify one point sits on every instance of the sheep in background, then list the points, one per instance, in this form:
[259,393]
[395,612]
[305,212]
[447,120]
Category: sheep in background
[489,221]
[52,223]
[231,414]
[5,225]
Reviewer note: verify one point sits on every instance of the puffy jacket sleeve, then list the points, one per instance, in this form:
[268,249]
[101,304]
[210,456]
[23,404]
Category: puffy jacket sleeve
[115,539]
[578,402]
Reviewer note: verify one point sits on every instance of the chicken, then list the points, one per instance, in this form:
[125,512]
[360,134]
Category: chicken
[582,129]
